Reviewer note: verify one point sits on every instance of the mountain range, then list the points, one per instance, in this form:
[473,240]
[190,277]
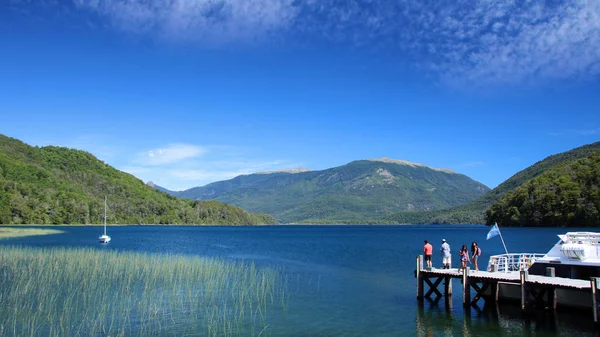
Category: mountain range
[359,191]
[57,185]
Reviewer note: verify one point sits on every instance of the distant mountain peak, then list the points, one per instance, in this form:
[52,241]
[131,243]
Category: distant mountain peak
[150,183]
[408,163]
[294,170]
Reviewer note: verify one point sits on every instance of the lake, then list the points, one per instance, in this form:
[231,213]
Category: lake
[348,280]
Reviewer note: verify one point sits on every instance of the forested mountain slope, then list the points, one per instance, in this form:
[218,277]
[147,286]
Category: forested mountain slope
[56,185]
[566,195]
[474,211]
[356,192]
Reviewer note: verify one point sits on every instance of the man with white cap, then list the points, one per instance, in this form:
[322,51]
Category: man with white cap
[447,257]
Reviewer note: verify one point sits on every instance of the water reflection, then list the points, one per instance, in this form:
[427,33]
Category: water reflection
[438,318]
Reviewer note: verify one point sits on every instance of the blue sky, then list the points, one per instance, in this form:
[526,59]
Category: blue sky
[185,92]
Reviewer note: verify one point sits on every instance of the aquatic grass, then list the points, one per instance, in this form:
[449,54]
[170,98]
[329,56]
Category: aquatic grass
[80,292]
[7,233]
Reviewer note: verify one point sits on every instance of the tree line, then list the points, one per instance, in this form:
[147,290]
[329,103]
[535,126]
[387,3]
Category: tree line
[567,195]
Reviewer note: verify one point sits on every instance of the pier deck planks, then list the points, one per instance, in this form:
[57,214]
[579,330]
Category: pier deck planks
[510,277]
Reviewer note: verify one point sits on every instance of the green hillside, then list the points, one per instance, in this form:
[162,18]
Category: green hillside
[474,211]
[566,195]
[356,192]
[55,185]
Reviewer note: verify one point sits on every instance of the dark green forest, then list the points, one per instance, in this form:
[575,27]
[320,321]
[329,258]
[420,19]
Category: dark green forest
[56,185]
[567,195]
[474,212]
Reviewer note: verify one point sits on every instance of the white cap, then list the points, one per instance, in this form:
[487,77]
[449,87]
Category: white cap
[443,240]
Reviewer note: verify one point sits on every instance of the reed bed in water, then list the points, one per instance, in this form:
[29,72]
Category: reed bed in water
[86,292]
[6,233]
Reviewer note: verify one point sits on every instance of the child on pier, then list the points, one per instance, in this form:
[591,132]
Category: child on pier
[464,257]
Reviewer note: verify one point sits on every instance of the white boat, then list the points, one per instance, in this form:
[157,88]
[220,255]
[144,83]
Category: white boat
[104,238]
[575,256]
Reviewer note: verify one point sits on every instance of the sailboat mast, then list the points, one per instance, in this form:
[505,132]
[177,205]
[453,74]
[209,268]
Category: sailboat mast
[104,215]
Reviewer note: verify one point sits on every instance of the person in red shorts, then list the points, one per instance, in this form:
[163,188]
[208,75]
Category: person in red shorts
[428,251]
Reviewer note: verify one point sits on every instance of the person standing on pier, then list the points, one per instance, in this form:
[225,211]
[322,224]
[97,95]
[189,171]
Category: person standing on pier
[464,257]
[428,251]
[475,253]
[447,257]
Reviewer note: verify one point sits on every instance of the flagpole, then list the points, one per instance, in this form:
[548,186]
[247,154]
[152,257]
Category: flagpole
[501,238]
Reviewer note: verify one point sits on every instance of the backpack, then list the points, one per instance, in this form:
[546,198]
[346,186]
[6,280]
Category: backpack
[478,251]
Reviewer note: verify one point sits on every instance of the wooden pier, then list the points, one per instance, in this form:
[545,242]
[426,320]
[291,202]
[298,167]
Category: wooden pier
[535,292]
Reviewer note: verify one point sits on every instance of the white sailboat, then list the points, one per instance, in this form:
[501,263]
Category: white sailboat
[104,238]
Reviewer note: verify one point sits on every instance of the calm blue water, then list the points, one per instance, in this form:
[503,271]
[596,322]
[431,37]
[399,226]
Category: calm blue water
[348,280]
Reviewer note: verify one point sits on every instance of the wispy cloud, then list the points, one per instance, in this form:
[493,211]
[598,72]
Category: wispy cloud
[474,42]
[579,132]
[587,132]
[206,21]
[170,154]
[459,43]
[507,42]
[222,170]
[208,175]
[182,166]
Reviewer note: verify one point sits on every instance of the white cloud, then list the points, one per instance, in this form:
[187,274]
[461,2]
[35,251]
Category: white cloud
[208,21]
[171,154]
[223,170]
[509,42]
[202,176]
[183,166]
[199,173]
[586,132]
[461,43]
[472,42]
[578,132]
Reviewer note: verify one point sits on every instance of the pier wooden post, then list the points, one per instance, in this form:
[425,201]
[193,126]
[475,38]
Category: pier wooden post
[594,286]
[419,277]
[466,288]
[523,279]
[494,295]
[551,272]
[448,286]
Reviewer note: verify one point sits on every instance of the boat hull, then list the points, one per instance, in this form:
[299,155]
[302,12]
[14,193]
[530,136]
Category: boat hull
[565,298]
[565,270]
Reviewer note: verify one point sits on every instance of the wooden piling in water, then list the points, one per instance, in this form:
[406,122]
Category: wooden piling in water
[419,276]
[448,287]
[466,288]
[594,286]
[523,279]
[550,272]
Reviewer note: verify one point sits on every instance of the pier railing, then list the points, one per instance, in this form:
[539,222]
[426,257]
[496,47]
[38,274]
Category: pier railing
[506,263]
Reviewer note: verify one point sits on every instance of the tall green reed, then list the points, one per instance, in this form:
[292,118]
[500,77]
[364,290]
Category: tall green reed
[82,292]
